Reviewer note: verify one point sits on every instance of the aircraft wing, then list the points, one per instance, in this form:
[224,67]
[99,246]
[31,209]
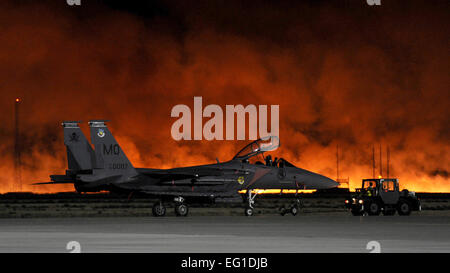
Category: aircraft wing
[179,174]
[183,193]
[206,181]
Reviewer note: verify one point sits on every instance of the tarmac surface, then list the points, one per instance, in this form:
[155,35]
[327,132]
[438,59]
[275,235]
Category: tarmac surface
[334,232]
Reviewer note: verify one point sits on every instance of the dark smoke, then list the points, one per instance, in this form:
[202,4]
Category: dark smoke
[342,72]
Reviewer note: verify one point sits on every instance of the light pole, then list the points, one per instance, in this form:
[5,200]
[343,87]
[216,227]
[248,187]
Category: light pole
[17,148]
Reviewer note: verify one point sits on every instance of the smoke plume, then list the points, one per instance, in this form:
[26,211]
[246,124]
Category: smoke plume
[344,73]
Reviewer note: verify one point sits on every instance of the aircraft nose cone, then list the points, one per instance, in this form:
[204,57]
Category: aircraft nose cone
[316,181]
[324,182]
[328,183]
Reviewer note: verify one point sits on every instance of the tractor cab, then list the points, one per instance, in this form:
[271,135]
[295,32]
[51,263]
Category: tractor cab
[382,195]
[385,188]
[389,191]
[369,187]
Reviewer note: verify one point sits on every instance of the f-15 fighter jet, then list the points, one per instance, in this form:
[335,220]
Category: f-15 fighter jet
[106,167]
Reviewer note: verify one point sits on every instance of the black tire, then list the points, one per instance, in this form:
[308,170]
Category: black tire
[357,212]
[159,210]
[282,211]
[404,208]
[373,208]
[248,211]
[294,210]
[181,210]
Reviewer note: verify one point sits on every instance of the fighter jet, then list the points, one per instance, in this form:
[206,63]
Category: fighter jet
[106,168]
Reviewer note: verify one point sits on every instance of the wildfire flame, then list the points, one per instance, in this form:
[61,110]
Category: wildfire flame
[347,79]
[277,191]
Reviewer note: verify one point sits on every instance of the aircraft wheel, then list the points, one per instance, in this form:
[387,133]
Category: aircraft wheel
[282,211]
[181,210]
[248,211]
[159,209]
[404,208]
[294,210]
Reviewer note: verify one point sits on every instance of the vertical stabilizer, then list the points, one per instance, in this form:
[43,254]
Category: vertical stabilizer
[80,155]
[108,154]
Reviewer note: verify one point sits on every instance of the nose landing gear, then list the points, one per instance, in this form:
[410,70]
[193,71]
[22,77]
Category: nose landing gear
[251,200]
[248,211]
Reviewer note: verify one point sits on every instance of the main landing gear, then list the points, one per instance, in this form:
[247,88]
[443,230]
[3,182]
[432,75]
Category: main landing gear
[159,210]
[181,209]
[293,208]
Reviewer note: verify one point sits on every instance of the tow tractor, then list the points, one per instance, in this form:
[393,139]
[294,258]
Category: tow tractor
[382,195]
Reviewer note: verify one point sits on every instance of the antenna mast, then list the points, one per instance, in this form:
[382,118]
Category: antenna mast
[373,161]
[387,163]
[337,162]
[381,162]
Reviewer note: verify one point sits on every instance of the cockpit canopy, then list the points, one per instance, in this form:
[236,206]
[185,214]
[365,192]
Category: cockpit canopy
[265,144]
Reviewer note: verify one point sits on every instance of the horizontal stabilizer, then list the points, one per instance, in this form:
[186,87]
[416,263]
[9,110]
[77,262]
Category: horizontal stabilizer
[61,178]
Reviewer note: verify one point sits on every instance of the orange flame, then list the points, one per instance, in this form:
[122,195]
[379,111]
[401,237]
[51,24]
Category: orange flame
[350,80]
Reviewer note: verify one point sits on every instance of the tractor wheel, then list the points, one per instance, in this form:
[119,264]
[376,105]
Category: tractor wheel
[181,210]
[404,208]
[357,212]
[374,209]
[159,209]
[282,211]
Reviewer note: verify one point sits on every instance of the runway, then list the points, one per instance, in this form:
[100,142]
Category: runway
[338,232]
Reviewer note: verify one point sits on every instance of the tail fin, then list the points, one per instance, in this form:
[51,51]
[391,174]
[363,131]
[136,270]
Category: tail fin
[80,155]
[108,154]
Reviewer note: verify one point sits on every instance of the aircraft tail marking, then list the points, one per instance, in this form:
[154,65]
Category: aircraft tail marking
[108,154]
[80,155]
